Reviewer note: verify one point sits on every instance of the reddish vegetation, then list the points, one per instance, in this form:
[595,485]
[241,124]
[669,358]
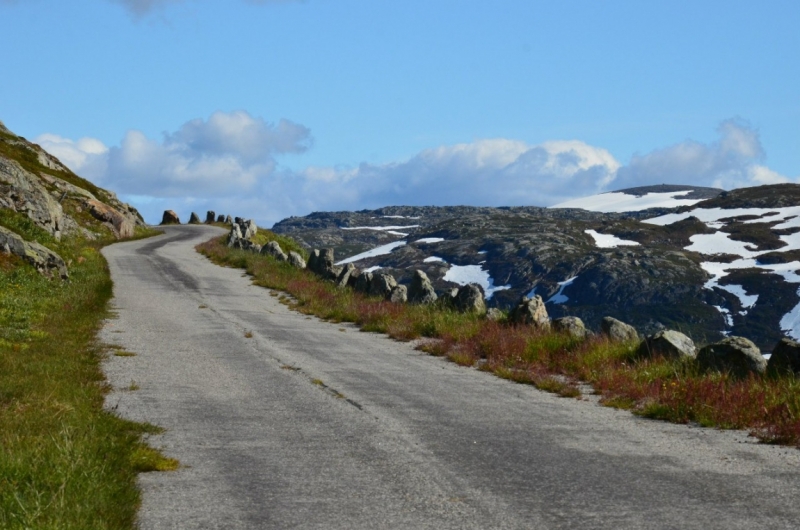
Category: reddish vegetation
[658,388]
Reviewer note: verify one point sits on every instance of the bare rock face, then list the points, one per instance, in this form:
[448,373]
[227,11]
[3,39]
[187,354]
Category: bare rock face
[210,216]
[382,285]
[194,219]
[530,311]
[736,355]
[170,218]
[617,330]
[572,326]
[296,260]
[421,290]
[668,343]
[469,299]
[26,193]
[274,249]
[45,260]
[122,226]
[399,294]
[785,357]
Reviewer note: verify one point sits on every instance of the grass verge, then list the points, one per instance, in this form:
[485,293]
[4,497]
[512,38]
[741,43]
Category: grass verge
[65,462]
[659,388]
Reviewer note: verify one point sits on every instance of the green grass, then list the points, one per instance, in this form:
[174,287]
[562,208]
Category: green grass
[659,388]
[65,462]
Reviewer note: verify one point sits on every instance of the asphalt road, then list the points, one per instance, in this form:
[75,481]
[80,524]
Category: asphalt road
[309,424]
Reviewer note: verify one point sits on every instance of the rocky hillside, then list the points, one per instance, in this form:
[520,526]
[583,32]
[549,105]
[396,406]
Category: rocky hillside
[700,260]
[41,200]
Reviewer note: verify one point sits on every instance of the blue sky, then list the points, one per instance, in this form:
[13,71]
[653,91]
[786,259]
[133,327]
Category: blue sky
[273,108]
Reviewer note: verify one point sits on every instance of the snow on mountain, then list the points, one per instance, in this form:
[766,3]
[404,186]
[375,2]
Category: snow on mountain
[623,202]
[609,241]
[379,251]
[464,274]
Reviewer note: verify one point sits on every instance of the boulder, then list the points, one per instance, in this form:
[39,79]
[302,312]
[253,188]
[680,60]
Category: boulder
[382,285]
[42,258]
[785,357]
[399,294]
[234,236]
[122,226]
[736,355]
[618,331]
[249,228]
[170,218]
[448,297]
[321,263]
[210,217]
[194,219]
[274,249]
[494,314]
[421,290]
[228,220]
[363,282]
[572,326]
[220,218]
[344,277]
[296,260]
[668,343]
[313,256]
[530,311]
[469,299]
[246,244]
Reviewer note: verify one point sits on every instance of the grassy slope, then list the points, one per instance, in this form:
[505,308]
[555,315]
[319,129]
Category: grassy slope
[659,388]
[65,462]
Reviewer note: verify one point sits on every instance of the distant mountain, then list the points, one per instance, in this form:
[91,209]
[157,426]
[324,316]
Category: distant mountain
[701,260]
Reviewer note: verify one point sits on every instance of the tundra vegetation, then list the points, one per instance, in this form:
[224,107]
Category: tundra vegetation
[65,462]
[653,386]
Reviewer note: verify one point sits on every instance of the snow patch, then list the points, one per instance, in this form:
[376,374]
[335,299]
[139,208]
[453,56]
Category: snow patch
[609,241]
[464,274]
[433,259]
[622,202]
[378,228]
[373,269]
[560,297]
[378,251]
[430,240]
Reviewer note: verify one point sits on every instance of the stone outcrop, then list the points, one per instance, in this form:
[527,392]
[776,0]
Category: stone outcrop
[785,357]
[194,219]
[735,355]
[344,277]
[530,311]
[121,225]
[170,218]
[421,290]
[382,285]
[42,258]
[668,343]
[469,299]
[210,216]
[572,326]
[321,263]
[296,260]
[617,330]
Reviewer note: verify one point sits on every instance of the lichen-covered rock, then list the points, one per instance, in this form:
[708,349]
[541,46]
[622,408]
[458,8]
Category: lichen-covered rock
[194,219]
[668,343]
[494,314]
[530,311]
[274,249]
[296,260]
[382,285]
[399,294]
[572,326]
[785,357]
[121,225]
[248,227]
[469,299]
[170,218]
[618,331]
[421,290]
[234,236]
[42,258]
[736,355]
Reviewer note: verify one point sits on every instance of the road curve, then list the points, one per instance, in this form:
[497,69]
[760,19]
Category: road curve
[308,424]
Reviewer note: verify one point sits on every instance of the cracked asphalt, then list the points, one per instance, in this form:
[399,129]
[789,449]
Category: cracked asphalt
[283,421]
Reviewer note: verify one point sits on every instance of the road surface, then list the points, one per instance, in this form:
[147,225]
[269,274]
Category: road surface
[283,421]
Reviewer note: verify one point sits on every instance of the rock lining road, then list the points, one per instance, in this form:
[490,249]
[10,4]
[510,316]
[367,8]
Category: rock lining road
[309,424]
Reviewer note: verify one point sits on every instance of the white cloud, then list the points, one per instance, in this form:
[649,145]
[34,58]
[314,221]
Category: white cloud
[229,163]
